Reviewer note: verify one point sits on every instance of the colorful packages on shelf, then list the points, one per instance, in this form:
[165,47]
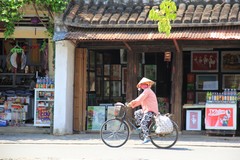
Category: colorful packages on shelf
[227,96]
[44,82]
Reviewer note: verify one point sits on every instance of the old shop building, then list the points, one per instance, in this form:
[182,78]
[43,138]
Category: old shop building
[103,50]
[17,74]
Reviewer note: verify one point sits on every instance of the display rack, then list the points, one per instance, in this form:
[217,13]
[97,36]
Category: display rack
[43,106]
[15,79]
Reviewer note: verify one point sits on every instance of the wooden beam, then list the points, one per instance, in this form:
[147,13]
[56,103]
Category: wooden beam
[160,46]
[128,46]
[74,43]
[209,44]
[176,45]
[150,48]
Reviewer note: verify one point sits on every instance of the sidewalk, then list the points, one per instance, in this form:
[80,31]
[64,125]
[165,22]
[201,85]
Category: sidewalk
[94,139]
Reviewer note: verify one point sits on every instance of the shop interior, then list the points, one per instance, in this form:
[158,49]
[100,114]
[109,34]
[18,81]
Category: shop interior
[22,61]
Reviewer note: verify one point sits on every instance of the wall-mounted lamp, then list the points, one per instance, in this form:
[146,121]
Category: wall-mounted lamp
[167,56]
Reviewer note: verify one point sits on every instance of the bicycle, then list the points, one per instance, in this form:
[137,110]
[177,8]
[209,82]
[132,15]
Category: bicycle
[116,132]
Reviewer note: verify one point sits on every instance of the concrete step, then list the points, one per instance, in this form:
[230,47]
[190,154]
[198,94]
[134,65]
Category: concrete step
[25,129]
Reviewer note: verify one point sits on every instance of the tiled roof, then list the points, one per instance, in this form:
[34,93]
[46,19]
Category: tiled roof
[195,21]
[140,34]
[136,16]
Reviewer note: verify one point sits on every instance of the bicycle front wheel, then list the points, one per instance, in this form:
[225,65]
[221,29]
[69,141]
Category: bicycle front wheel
[164,140]
[114,133]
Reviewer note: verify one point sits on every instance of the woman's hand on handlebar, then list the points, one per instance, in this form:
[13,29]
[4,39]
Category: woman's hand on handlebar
[128,104]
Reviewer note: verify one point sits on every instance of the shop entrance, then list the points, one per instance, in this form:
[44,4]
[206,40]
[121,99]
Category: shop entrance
[107,81]
[21,62]
[159,70]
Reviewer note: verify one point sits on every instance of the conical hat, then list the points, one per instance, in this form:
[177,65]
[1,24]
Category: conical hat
[145,81]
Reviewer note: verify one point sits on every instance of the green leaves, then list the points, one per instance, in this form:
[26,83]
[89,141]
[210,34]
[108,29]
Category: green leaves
[56,6]
[164,16]
[11,13]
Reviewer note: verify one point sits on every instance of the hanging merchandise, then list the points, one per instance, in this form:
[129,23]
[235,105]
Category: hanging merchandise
[16,49]
[18,58]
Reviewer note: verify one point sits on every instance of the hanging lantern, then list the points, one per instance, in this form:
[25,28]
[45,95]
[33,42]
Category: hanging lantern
[35,20]
[167,56]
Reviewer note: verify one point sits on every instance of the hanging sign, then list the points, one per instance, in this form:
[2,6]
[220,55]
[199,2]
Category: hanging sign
[167,56]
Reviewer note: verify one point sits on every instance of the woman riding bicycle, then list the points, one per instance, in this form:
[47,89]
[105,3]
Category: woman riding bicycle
[148,101]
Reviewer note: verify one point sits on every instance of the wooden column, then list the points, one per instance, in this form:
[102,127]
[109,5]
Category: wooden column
[80,77]
[177,77]
[132,75]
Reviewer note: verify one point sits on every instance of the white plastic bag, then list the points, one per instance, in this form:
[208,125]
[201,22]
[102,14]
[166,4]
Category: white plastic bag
[164,124]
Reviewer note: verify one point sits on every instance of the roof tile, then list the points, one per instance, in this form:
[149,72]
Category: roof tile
[215,13]
[234,13]
[224,13]
[198,14]
[203,21]
[207,13]
[192,14]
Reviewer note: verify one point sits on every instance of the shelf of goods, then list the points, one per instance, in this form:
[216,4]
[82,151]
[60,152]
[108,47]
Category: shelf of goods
[14,111]
[15,79]
[43,110]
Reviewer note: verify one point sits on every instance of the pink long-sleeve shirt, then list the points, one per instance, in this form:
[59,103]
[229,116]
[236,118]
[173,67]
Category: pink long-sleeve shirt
[148,100]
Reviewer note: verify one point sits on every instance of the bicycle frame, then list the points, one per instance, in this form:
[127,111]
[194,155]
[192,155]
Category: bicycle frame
[130,120]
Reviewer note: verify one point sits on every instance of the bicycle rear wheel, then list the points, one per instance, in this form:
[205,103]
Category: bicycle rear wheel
[114,133]
[164,140]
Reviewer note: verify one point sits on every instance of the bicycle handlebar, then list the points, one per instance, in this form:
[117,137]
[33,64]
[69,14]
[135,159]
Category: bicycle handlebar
[121,104]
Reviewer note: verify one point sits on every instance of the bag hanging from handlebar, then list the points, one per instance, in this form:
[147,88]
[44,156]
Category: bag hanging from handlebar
[164,124]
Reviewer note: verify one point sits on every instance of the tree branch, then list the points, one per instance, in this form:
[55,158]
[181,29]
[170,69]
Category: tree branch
[35,8]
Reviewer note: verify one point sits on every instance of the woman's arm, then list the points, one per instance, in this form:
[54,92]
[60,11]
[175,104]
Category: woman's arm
[137,102]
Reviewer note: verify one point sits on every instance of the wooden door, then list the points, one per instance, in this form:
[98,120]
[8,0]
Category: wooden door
[80,77]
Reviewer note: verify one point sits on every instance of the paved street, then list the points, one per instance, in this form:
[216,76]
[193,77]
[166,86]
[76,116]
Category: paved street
[101,152]
[94,138]
[90,147]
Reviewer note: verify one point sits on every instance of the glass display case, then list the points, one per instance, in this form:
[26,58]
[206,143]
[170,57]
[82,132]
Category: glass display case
[43,110]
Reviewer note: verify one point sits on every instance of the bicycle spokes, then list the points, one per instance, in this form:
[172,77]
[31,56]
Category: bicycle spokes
[114,133]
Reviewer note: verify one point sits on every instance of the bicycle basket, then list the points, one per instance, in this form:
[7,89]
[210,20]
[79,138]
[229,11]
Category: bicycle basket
[118,110]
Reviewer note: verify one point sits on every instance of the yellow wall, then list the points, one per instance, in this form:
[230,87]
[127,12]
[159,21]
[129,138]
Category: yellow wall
[29,32]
